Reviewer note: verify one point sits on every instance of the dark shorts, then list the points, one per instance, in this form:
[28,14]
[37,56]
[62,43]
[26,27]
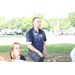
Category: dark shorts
[35,57]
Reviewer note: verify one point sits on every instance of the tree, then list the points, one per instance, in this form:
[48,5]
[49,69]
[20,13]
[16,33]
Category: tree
[11,23]
[40,15]
[44,24]
[14,23]
[71,18]
[37,15]
[2,25]
[65,24]
[27,24]
[2,22]
[50,23]
[18,23]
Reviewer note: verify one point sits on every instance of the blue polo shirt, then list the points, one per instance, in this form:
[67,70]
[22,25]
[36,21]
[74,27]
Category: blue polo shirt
[37,38]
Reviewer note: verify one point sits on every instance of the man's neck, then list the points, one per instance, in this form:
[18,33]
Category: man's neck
[37,29]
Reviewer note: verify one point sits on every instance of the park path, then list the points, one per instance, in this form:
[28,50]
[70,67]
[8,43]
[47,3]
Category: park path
[8,41]
[50,40]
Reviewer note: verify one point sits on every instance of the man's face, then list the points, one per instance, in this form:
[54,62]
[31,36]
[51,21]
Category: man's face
[37,23]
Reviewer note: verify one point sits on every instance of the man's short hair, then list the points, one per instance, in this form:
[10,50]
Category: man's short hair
[36,18]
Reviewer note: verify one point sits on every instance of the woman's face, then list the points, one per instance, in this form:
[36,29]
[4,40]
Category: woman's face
[17,49]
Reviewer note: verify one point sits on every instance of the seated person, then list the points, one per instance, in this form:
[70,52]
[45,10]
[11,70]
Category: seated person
[15,52]
[72,54]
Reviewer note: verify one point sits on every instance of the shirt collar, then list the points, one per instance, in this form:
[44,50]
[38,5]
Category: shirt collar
[35,30]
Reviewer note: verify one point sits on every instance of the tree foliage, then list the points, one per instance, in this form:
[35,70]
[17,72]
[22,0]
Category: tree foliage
[2,22]
[37,15]
[14,23]
[71,18]
[25,23]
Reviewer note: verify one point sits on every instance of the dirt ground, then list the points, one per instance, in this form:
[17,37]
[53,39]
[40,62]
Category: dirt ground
[54,56]
[57,57]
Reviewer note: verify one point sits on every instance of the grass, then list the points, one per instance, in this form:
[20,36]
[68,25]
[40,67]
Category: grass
[6,48]
[12,36]
[62,48]
[60,51]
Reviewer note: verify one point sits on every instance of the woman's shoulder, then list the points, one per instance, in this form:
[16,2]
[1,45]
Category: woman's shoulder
[22,57]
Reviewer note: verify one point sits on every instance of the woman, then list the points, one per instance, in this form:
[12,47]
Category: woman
[15,52]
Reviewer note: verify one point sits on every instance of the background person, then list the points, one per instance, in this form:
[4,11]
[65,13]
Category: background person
[15,52]
[36,41]
[72,54]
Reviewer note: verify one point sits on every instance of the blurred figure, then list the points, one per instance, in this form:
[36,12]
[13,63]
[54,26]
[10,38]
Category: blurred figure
[72,54]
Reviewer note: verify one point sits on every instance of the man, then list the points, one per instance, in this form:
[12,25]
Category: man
[36,41]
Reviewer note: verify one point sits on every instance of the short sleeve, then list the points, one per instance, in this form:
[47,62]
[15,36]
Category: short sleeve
[29,37]
[44,37]
[22,57]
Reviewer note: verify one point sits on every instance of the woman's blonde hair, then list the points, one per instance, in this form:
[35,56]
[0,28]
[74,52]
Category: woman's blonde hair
[12,56]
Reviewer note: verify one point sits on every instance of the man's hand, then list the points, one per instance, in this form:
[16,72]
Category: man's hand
[40,54]
[32,48]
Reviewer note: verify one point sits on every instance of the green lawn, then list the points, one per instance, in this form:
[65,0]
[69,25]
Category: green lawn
[63,48]
[51,48]
[60,52]
[6,48]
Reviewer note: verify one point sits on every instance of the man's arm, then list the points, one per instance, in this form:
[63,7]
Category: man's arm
[45,49]
[32,48]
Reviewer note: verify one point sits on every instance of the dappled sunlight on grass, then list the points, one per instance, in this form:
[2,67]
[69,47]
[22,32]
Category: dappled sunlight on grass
[60,52]
[60,48]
